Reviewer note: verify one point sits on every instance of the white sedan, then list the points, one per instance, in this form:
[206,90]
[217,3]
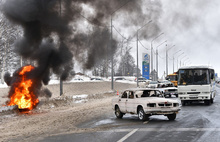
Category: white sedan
[145,102]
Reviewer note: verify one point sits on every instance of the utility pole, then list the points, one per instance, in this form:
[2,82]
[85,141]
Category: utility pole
[137,49]
[112,70]
[112,67]
[61,82]
[157,58]
[177,59]
[167,58]
[173,59]
[137,59]
[152,74]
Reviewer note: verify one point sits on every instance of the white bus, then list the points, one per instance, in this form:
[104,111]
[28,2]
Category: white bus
[196,83]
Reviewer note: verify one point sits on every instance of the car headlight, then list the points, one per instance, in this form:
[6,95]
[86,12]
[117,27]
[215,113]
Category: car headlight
[151,105]
[175,104]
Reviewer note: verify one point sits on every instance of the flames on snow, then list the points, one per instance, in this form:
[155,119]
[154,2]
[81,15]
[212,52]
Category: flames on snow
[22,93]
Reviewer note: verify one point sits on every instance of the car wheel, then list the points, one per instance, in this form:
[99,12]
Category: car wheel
[177,96]
[183,103]
[171,116]
[118,113]
[207,102]
[141,115]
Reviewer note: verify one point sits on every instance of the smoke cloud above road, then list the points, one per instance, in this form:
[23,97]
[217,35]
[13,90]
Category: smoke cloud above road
[54,30]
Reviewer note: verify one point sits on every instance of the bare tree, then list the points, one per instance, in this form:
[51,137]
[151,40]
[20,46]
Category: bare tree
[8,34]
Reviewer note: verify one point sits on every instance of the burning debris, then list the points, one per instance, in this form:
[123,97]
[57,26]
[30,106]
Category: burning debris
[42,24]
[22,92]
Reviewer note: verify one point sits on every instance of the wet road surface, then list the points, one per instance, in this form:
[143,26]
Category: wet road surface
[194,123]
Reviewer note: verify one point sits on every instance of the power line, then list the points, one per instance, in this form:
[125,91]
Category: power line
[119,33]
[161,57]
[143,45]
[93,22]
[122,35]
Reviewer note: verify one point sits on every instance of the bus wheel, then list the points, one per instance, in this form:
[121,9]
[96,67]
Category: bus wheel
[212,100]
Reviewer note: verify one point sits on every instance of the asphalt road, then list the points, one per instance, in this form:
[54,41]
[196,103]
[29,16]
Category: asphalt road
[194,123]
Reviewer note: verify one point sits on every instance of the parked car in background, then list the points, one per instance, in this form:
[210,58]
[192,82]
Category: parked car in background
[143,82]
[96,78]
[120,79]
[165,83]
[169,91]
[141,79]
[144,102]
[153,84]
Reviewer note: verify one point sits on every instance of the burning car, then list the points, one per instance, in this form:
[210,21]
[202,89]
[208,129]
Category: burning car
[145,102]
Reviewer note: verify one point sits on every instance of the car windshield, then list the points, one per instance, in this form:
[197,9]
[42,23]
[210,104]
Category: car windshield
[148,93]
[193,77]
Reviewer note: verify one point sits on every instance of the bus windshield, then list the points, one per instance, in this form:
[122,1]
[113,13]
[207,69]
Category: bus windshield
[193,77]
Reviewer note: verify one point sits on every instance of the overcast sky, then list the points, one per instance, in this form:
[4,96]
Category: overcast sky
[193,26]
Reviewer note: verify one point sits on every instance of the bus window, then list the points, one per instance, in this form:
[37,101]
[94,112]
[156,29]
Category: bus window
[212,75]
[193,77]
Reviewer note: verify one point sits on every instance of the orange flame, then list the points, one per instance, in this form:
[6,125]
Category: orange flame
[23,97]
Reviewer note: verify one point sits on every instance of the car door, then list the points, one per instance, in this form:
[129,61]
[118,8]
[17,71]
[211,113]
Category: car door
[122,101]
[130,105]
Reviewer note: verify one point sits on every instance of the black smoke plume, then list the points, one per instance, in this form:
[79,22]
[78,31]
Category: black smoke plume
[52,35]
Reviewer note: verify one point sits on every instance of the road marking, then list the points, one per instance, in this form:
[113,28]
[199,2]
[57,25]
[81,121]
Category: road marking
[163,129]
[128,135]
[145,122]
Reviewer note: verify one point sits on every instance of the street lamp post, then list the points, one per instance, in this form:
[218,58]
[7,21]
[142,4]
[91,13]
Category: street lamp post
[185,60]
[61,82]
[181,59]
[167,49]
[173,58]
[112,67]
[137,49]
[152,55]
[157,58]
[178,57]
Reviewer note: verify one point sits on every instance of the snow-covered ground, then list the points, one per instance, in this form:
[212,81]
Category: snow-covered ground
[81,78]
[3,85]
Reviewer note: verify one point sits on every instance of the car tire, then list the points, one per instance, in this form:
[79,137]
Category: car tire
[141,115]
[207,102]
[183,103]
[171,117]
[118,113]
